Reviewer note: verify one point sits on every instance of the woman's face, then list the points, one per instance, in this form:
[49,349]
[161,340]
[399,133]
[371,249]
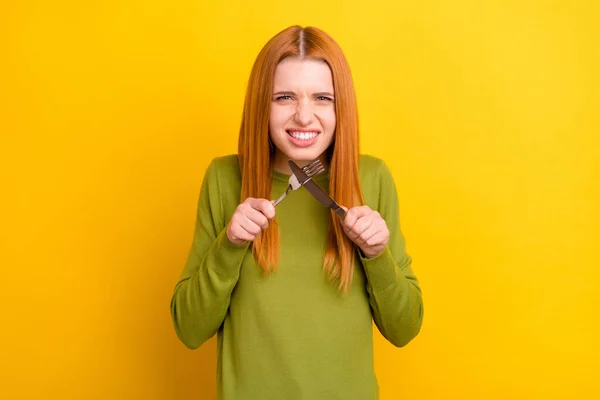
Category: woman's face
[302,122]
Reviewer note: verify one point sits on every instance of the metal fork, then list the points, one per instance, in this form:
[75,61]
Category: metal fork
[312,169]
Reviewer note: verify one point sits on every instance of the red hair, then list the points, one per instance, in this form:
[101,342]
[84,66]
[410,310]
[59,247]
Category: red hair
[256,156]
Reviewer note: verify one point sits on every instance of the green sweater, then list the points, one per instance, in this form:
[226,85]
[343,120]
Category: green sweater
[292,335]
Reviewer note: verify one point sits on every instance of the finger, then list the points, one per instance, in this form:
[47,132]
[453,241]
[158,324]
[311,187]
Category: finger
[361,225]
[345,217]
[364,220]
[242,234]
[380,238]
[354,214]
[237,233]
[350,219]
[369,233]
[361,211]
[265,206]
[249,225]
[257,217]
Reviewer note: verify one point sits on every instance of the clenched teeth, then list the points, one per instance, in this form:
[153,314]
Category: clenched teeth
[303,135]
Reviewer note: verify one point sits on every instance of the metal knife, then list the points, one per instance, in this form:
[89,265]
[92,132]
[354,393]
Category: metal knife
[316,190]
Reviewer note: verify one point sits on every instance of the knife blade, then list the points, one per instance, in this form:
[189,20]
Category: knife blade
[316,190]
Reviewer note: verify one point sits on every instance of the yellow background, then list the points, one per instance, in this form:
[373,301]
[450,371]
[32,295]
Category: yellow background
[486,112]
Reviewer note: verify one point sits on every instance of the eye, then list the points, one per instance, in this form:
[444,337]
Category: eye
[324,98]
[283,97]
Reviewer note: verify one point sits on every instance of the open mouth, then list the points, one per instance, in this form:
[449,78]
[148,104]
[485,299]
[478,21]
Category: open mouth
[303,135]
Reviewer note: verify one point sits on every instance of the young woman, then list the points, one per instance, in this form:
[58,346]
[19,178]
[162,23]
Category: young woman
[292,291]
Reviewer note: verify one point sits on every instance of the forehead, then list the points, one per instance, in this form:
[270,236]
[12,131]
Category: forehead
[295,73]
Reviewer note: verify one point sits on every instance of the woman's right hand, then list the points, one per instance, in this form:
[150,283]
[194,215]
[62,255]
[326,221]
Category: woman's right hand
[249,220]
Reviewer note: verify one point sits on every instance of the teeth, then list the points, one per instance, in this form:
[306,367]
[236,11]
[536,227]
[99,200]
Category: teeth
[303,135]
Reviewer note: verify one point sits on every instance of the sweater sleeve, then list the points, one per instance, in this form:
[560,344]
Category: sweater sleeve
[201,298]
[394,292]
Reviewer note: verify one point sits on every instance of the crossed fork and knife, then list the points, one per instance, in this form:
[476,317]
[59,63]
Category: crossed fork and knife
[303,177]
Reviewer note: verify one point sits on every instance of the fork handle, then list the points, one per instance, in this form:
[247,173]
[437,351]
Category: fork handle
[282,196]
[279,199]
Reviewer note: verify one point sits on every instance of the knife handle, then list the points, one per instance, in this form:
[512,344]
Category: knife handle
[338,210]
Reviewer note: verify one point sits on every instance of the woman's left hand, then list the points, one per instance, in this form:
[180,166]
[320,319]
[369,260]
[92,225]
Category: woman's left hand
[367,229]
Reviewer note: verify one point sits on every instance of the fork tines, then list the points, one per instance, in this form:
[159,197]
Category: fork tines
[314,168]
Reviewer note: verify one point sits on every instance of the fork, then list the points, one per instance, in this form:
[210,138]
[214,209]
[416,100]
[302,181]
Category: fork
[312,169]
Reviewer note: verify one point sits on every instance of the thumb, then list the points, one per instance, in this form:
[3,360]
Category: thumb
[344,223]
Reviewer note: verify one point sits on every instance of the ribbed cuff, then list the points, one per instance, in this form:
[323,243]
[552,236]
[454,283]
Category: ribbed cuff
[380,270]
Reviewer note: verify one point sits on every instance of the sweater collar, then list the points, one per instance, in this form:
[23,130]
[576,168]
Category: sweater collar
[281,177]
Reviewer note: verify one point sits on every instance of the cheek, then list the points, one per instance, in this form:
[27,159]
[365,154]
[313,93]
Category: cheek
[278,118]
[327,119]
[330,124]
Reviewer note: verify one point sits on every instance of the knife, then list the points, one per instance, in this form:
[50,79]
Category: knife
[316,190]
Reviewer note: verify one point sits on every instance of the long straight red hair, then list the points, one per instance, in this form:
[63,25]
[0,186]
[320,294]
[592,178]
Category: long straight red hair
[256,155]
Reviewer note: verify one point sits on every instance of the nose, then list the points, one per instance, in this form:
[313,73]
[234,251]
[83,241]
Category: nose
[304,113]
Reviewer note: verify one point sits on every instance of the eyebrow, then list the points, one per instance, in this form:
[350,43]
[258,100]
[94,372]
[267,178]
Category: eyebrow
[314,94]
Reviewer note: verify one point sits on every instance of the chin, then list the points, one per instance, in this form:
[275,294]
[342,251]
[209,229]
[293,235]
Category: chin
[304,154]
